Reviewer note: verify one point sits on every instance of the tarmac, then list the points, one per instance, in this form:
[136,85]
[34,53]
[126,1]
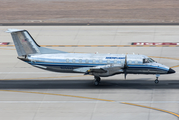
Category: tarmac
[29,93]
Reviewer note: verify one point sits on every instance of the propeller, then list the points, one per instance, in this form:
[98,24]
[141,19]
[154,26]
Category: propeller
[125,67]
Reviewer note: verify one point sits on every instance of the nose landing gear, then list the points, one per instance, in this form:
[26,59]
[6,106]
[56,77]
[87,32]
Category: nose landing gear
[96,80]
[157,81]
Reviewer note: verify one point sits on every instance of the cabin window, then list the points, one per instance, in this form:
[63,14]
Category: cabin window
[86,61]
[108,61]
[129,62]
[77,60]
[83,61]
[122,61]
[62,60]
[73,60]
[133,62]
[100,61]
[67,60]
[94,61]
[115,61]
[70,60]
[104,61]
[97,61]
[118,61]
[90,61]
[111,61]
[80,60]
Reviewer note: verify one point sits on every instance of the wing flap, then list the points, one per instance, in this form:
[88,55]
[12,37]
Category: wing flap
[98,70]
[105,69]
[82,69]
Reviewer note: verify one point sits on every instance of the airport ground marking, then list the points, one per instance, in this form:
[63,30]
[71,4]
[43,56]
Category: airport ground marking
[100,45]
[46,77]
[167,58]
[151,108]
[7,49]
[174,66]
[177,115]
[164,57]
[59,95]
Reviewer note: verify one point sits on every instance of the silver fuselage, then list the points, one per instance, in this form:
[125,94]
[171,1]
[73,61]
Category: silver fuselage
[68,62]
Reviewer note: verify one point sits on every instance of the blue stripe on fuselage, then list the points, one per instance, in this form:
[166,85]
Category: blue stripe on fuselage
[115,57]
[65,64]
[147,67]
[93,65]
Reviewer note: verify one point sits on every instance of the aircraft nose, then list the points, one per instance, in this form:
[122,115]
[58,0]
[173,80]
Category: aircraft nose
[170,71]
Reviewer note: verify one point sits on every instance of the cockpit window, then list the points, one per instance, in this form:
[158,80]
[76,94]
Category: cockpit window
[145,60]
[148,60]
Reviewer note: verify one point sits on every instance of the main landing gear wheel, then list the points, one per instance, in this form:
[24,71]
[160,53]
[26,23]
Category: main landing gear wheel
[96,80]
[156,81]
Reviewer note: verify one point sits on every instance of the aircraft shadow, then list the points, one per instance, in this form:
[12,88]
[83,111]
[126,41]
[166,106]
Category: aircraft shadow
[88,84]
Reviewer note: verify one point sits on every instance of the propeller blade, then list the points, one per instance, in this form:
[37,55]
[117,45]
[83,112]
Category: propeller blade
[125,64]
[125,67]
[125,74]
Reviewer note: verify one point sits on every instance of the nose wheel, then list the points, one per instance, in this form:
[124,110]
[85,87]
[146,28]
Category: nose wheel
[96,80]
[157,81]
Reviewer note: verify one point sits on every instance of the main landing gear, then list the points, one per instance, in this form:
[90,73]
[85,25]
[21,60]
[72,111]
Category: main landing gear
[157,81]
[96,80]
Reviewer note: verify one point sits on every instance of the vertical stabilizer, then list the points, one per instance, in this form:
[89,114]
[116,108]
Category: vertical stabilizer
[23,42]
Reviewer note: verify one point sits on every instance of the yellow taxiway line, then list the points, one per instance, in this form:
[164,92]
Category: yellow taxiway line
[59,95]
[100,45]
[164,57]
[152,108]
[46,77]
[174,66]
[177,115]
[7,49]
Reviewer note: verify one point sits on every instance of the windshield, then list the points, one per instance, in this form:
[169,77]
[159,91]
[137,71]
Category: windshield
[148,60]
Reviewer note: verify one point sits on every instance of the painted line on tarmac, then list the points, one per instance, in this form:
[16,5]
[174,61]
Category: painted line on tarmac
[53,102]
[174,66]
[100,45]
[134,102]
[59,95]
[29,73]
[177,115]
[164,57]
[151,108]
[151,102]
[167,58]
[46,77]
[7,49]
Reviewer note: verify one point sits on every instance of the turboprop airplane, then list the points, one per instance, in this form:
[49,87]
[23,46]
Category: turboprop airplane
[98,65]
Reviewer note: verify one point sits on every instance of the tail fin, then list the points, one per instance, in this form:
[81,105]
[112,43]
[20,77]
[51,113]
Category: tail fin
[24,43]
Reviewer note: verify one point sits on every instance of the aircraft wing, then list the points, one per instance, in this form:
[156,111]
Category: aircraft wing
[104,69]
